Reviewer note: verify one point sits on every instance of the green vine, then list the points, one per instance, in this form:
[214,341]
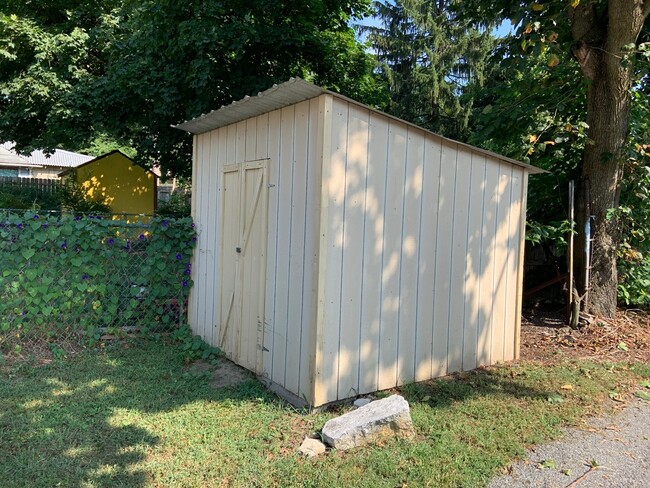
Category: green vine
[63,275]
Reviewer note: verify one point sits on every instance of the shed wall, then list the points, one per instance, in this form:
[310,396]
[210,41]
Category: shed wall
[115,181]
[289,139]
[421,254]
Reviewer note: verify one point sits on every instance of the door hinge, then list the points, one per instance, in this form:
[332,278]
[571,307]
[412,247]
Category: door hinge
[238,249]
[270,185]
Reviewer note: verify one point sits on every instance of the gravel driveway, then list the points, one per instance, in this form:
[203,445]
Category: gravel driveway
[612,451]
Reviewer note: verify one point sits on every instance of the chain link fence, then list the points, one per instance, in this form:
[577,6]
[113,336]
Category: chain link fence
[70,280]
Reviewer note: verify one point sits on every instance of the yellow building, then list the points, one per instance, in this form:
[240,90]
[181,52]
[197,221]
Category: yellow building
[115,180]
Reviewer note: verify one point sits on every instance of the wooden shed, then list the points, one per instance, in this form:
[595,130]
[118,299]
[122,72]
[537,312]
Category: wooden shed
[116,181]
[343,251]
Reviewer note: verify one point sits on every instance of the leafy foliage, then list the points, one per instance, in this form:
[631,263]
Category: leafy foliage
[64,275]
[75,198]
[553,232]
[113,70]
[193,347]
[633,215]
[179,203]
[535,114]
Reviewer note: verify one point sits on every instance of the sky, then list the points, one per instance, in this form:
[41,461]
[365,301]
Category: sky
[503,30]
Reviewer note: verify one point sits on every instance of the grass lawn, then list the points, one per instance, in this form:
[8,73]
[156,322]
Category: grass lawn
[134,415]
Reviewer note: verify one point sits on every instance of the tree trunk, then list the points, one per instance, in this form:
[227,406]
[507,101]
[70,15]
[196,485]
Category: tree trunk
[598,49]
[608,109]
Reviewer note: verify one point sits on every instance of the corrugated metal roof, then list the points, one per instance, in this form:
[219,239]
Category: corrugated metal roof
[8,158]
[294,91]
[60,158]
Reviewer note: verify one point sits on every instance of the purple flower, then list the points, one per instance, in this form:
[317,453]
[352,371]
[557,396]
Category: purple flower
[77,217]
[84,276]
[185,283]
[188,271]
[44,226]
[64,245]
[110,241]
[193,226]
[194,239]
[179,256]
[142,237]
[36,217]
[20,226]
[165,223]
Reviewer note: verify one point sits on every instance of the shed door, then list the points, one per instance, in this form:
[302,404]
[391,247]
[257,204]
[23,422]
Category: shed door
[243,263]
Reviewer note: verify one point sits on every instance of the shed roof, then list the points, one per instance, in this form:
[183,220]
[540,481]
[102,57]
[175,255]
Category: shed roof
[60,158]
[110,153]
[294,91]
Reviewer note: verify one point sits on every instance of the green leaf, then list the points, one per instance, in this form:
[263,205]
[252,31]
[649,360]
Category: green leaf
[643,395]
[28,253]
[548,464]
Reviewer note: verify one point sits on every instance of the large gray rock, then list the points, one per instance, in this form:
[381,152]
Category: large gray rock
[377,420]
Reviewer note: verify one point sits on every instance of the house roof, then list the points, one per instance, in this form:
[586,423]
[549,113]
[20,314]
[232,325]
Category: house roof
[8,158]
[294,91]
[93,160]
[60,158]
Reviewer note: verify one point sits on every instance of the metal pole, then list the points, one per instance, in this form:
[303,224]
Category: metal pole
[570,248]
[587,270]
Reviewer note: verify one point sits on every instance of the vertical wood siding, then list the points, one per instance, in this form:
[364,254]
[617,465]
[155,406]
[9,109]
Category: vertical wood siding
[392,255]
[287,138]
[423,247]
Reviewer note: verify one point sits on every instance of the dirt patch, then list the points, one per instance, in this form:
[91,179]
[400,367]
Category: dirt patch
[225,373]
[545,336]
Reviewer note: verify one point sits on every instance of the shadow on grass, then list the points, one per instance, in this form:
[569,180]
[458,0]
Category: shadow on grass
[135,415]
[73,422]
[482,382]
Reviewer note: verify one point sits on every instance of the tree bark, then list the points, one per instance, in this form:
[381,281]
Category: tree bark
[600,38]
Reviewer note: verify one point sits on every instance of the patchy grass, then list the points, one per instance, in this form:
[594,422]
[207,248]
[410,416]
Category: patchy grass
[135,416]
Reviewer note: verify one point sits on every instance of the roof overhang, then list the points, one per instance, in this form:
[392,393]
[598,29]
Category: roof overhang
[19,164]
[103,156]
[294,91]
[278,96]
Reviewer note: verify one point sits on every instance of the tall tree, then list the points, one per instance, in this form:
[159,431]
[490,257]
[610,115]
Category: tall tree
[51,54]
[129,70]
[428,56]
[602,37]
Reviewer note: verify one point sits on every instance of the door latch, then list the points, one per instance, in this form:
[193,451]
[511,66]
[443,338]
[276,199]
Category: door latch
[238,249]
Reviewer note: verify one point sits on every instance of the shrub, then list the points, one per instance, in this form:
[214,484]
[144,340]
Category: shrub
[28,195]
[74,197]
[179,204]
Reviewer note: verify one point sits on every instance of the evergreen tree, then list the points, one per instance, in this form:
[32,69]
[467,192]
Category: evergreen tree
[429,57]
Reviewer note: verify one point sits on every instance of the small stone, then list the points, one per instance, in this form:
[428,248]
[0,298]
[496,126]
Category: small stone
[368,424]
[360,402]
[311,447]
